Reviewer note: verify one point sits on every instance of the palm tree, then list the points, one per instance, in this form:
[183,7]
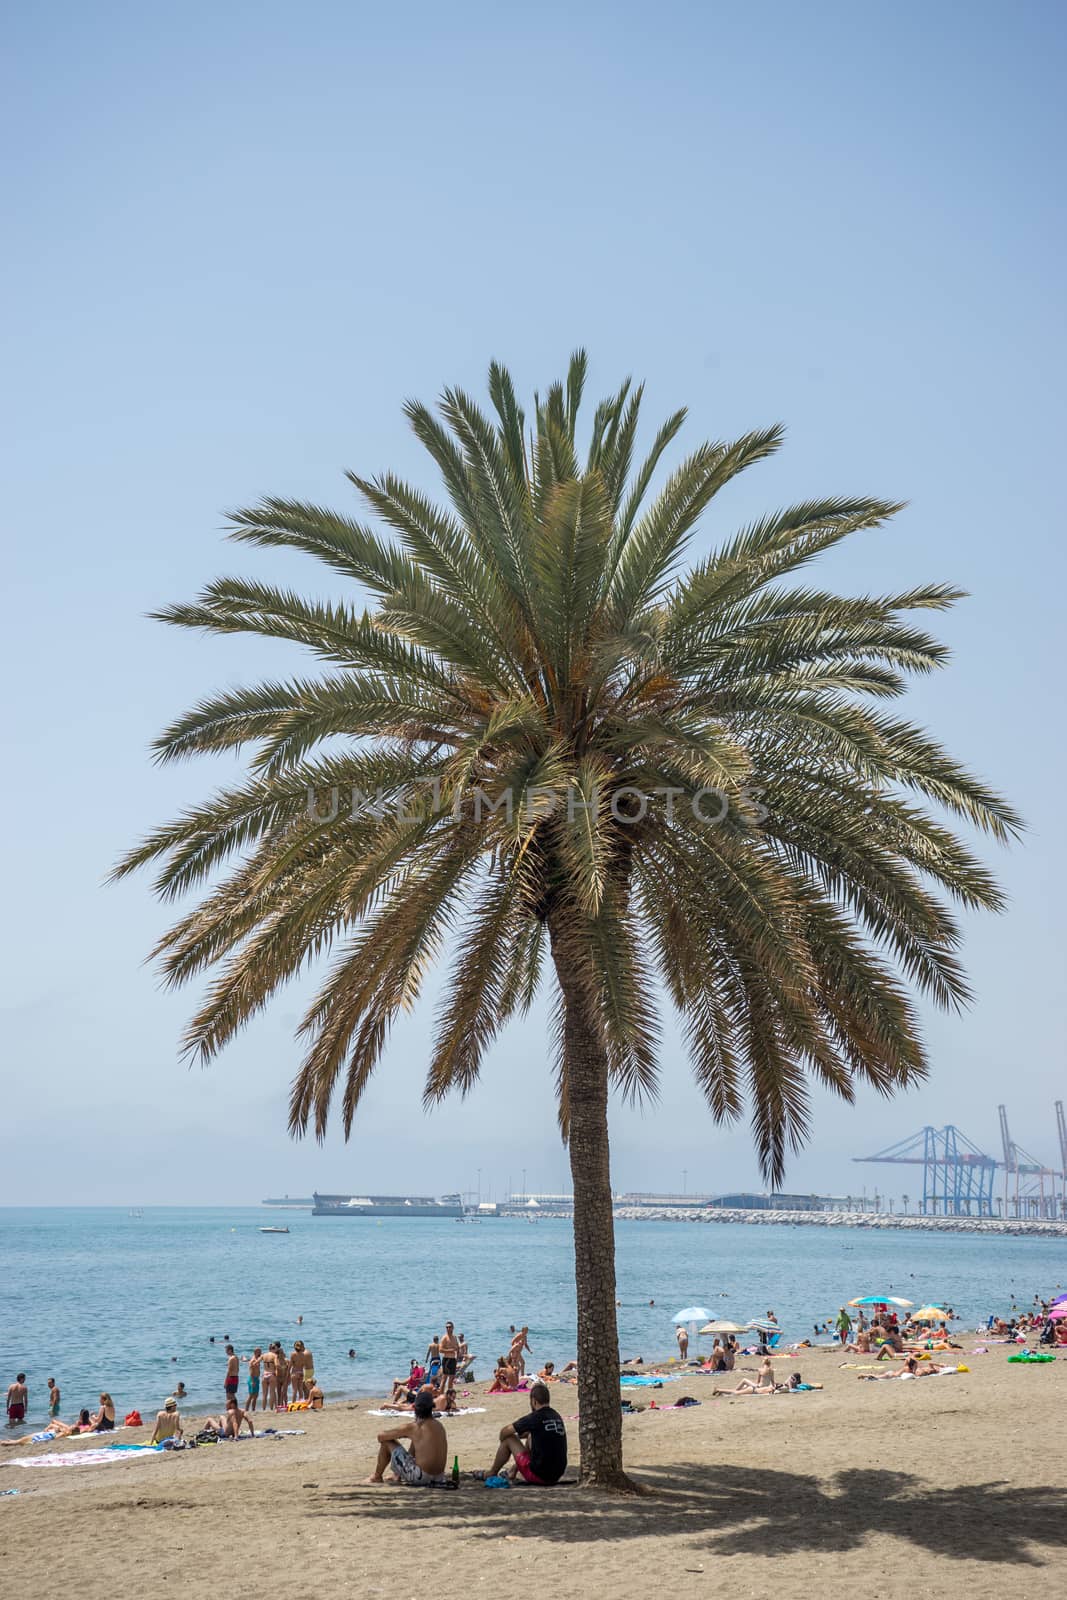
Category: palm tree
[547,737]
[904,1197]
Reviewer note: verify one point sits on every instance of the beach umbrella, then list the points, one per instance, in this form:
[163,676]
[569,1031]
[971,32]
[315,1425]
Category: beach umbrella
[929,1314]
[1059,1311]
[880,1300]
[722,1327]
[1060,1300]
[692,1314]
[763,1325]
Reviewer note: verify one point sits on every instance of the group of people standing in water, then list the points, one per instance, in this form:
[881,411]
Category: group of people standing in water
[275,1379]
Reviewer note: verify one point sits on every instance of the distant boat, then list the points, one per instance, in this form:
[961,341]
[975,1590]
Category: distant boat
[274,1230]
[136,1211]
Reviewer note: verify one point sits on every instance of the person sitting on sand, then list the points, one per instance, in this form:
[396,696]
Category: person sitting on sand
[547,1373]
[315,1397]
[764,1383]
[505,1378]
[861,1345]
[104,1421]
[535,1445]
[228,1425]
[424,1463]
[234,1419]
[407,1388]
[168,1422]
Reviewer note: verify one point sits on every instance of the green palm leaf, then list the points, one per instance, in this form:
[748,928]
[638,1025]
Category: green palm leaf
[539,734]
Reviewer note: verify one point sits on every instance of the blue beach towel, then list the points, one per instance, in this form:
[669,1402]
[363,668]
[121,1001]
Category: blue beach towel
[649,1382]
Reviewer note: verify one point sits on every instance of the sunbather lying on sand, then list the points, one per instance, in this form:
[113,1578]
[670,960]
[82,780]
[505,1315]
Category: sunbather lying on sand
[54,1430]
[764,1383]
[911,1368]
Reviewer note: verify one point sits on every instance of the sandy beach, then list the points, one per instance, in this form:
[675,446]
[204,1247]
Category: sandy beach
[949,1485]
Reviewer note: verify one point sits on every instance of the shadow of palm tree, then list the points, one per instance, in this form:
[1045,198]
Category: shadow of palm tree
[732,1512]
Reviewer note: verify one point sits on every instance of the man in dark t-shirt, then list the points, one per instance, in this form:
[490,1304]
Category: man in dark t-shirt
[537,1443]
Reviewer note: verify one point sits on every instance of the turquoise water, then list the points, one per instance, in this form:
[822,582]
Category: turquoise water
[101,1300]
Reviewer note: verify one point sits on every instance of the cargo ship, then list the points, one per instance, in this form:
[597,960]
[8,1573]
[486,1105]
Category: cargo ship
[386,1205]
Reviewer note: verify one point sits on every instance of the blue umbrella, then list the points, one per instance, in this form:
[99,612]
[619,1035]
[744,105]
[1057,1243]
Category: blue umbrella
[880,1300]
[693,1314]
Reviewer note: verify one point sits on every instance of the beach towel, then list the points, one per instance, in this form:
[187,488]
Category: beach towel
[90,1458]
[634,1381]
[461,1411]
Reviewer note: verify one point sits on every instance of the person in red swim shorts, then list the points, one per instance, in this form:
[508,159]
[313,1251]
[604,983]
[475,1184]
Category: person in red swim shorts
[16,1400]
[535,1445]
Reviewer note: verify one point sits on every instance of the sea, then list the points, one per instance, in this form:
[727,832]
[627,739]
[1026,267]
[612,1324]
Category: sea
[102,1299]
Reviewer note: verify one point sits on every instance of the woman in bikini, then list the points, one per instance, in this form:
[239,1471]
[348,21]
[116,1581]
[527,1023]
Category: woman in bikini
[269,1378]
[281,1380]
[764,1383]
[104,1421]
[296,1370]
[505,1378]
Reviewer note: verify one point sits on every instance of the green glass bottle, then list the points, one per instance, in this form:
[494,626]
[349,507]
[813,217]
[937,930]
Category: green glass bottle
[455,1472]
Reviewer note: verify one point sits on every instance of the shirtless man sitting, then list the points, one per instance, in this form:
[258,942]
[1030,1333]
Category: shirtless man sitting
[234,1419]
[168,1422]
[424,1463]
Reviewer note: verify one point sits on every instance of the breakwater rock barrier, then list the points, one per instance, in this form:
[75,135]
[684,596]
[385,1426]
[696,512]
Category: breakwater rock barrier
[1010,1227]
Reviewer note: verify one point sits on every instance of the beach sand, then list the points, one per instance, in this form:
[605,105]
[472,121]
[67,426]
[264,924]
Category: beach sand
[948,1486]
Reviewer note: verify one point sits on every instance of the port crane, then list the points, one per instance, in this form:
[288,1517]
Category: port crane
[1034,1191]
[957,1176]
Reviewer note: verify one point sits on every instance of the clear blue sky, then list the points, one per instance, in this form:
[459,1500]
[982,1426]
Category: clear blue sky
[237,237]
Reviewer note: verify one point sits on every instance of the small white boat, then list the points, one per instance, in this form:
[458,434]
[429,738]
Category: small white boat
[274,1230]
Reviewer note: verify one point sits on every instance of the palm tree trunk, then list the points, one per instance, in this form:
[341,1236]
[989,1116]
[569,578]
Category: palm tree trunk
[586,1109]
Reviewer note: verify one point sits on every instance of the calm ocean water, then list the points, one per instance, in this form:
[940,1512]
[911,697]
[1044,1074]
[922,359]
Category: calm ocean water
[102,1300]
